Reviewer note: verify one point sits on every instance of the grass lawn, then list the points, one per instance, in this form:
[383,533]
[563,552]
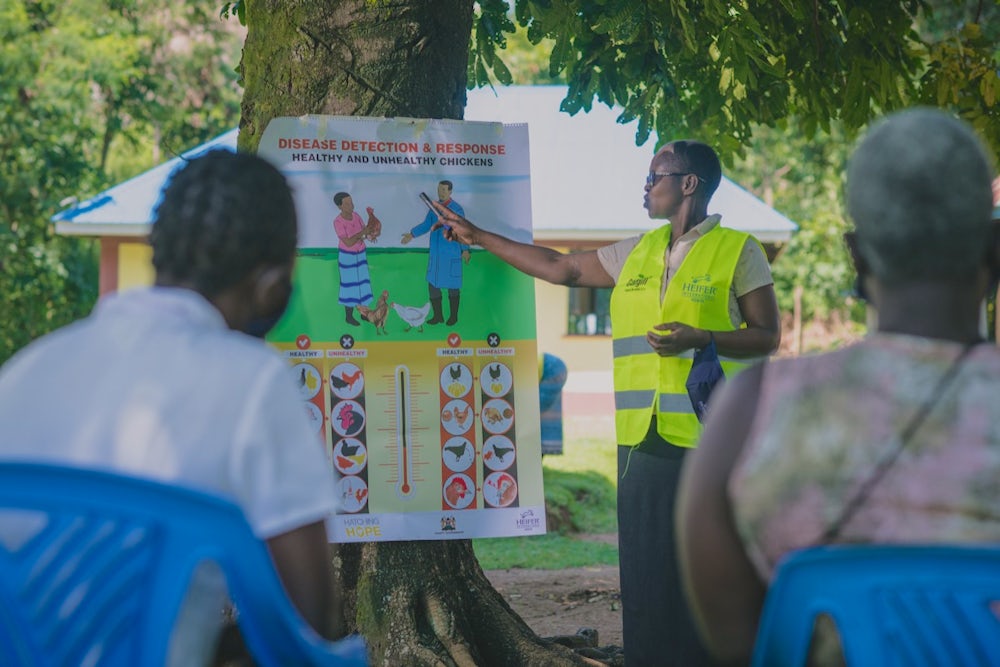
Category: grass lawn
[579,499]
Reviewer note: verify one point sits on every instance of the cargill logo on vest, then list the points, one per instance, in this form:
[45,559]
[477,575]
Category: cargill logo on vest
[637,283]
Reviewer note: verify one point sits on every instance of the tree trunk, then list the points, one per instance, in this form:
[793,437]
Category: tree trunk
[417,603]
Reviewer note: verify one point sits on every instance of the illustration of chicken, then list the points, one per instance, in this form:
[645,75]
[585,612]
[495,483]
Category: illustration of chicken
[455,371]
[413,316]
[377,314]
[350,448]
[307,380]
[462,415]
[458,451]
[350,420]
[456,492]
[506,491]
[501,452]
[374,227]
[350,378]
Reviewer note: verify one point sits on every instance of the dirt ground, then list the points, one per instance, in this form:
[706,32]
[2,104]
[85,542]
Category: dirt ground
[561,602]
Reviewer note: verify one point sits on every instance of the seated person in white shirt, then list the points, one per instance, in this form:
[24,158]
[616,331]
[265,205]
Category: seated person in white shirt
[164,383]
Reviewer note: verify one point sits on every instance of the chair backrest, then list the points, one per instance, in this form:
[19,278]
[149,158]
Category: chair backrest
[893,605]
[100,576]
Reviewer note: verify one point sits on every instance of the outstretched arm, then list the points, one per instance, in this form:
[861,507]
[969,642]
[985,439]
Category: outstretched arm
[575,270]
[724,590]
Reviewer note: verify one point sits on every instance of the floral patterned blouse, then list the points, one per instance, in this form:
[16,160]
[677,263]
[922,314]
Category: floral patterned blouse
[823,422]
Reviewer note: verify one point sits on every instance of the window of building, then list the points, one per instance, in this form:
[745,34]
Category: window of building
[589,311]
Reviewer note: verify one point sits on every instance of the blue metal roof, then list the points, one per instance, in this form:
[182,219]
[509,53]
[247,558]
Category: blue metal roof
[587,177]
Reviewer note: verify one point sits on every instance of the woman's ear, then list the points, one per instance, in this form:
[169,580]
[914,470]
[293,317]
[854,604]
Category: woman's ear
[271,290]
[860,265]
[993,253]
[851,241]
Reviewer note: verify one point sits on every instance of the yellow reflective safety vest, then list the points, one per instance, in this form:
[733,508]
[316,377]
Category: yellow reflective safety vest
[697,295]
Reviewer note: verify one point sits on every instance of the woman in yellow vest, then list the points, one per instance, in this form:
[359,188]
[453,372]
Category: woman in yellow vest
[676,289]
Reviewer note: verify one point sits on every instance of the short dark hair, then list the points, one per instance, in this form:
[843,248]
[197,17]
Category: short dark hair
[703,161]
[451,186]
[221,216]
[339,198]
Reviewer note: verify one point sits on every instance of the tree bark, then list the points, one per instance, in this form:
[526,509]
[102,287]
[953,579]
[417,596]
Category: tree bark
[353,58]
[416,603]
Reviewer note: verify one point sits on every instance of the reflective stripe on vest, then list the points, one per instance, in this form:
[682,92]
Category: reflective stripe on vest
[698,295]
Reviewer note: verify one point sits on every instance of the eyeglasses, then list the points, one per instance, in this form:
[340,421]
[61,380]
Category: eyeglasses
[654,176]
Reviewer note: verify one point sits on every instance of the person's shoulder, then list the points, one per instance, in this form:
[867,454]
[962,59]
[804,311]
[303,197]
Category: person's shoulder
[241,354]
[48,346]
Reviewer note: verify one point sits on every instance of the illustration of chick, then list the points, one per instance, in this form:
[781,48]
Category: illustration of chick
[495,372]
[349,462]
[374,227]
[378,313]
[492,415]
[456,388]
[413,316]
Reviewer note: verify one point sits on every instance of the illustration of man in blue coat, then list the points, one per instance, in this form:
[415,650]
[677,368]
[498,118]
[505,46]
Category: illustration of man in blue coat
[444,263]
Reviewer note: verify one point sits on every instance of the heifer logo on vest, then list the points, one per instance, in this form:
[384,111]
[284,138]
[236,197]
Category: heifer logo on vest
[699,289]
[637,283]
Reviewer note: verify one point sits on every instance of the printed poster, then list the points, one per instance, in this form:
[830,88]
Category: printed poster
[415,356]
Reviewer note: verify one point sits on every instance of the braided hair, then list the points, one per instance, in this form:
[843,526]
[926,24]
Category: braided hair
[221,216]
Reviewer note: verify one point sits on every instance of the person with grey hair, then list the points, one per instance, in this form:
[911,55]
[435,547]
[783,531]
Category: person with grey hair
[893,439]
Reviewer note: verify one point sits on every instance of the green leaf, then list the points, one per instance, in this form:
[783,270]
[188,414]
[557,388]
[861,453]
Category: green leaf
[501,72]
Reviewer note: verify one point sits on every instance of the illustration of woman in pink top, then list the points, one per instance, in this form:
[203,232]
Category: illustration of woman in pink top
[352,260]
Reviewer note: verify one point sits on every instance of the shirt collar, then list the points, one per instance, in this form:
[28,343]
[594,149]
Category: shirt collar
[702,228]
[161,304]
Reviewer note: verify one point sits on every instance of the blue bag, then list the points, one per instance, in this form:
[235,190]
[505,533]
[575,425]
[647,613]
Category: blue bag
[706,372]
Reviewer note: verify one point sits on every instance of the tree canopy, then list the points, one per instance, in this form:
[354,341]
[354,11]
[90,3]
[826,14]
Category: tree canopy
[718,70]
[92,92]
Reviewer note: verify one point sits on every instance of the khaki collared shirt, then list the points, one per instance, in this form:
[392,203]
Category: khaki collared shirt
[752,269]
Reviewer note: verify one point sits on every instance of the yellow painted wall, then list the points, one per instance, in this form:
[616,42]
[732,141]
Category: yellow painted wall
[580,353]
[135,265]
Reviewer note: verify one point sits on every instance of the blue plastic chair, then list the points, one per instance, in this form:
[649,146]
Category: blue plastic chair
[101,583]
[905,606]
